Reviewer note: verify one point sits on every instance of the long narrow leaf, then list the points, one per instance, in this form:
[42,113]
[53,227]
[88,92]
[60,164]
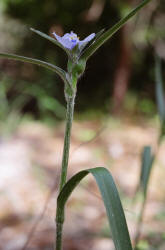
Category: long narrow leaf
[159,89]
[111,200]
[93,41]
[106,35]
[53,40]
[147,163]
[50,66]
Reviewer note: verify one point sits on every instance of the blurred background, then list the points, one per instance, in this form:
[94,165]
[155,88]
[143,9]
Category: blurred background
[115,116]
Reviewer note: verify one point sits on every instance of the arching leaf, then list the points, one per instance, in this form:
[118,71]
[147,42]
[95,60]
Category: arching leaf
[47,65]
[111,200]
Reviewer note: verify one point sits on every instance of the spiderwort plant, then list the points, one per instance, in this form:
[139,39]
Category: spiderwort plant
[79,51]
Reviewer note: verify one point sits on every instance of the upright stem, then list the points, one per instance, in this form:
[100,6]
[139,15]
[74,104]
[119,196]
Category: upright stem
[140,221]
[65,158]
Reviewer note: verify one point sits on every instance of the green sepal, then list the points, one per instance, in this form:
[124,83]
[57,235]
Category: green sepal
[109,33]
[76,69]
[79,68]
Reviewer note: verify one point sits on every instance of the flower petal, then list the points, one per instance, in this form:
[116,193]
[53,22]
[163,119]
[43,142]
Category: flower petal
[70,40]
[89,38]
[57,37]
[66,41]
[84,42]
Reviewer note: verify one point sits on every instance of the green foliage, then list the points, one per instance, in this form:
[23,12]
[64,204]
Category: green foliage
[159,89]
[104,180]
[109,33]
[10,116]
[49,66]
[143,245]
[48,103]
[77,60]
[111,200]
[146,167]
[63,16]
[160,97]
[147,107]
[147,163]
[147,157]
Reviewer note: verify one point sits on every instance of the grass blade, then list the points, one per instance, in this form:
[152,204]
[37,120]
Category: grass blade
[146,167]
[159,89]
[109,33]
[147,160]
[88,45]
[50,66]
[111,200]
[51,39]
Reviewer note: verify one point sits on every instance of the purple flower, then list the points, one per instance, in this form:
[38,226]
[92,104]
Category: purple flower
[70,40]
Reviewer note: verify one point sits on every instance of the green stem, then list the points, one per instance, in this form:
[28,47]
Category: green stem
[65,158]
[140,221]
[59,227]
